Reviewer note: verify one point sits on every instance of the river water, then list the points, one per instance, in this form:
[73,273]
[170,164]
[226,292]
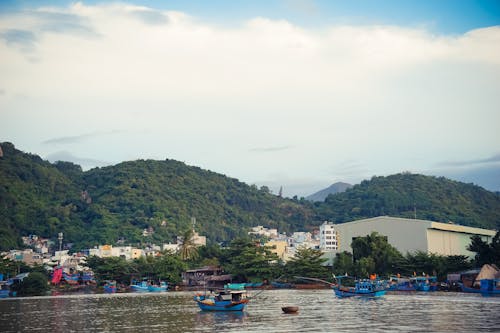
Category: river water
[319,311]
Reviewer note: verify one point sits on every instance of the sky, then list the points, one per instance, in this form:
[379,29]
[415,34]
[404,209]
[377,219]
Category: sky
[295,94]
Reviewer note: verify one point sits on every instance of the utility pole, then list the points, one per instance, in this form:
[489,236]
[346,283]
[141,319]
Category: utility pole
[60,237]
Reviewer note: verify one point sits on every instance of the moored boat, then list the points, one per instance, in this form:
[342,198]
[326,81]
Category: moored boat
[141,286]
[163,286]
[424,283]
[400,284]
[363,287]
[226,299]
[110,287]
[488,287]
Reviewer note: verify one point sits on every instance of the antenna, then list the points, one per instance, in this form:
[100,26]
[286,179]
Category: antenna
[193,221]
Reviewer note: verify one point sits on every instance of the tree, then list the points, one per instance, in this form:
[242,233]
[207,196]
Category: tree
[307,263]
[343,263]
[35,284]
[248,261]
[188,249]
[113,268]
[382,255]
[485,253]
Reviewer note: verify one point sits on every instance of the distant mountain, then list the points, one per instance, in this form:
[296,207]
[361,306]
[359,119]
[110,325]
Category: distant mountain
[338,187]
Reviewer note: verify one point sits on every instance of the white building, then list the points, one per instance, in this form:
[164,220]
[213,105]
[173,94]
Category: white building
[262,231]
[328,236]
[411,235]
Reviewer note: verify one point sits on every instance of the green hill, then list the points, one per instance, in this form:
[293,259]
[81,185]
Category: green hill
[406,195]
[117,203]
[104,205]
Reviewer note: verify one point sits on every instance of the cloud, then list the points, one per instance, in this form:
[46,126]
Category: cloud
[23,39]
[66,156]
[149,16]
[227,98]
[78,138]
[475,162]
[270,149]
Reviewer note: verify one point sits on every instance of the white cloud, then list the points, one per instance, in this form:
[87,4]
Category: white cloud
[387,97]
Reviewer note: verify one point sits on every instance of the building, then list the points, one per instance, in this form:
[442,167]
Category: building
[206,277]
[328,236]
[265,232]
[279,247]
[411,235]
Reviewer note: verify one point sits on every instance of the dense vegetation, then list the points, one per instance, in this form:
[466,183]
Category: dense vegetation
[406,195]
[116,203]
[104,205]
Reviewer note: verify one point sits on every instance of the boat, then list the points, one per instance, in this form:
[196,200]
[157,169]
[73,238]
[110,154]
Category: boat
[282,285]
[110,287]
[254,284]
[400,284]
[290,309]
[424,283]
[488,287]
[222,300]
[163,286]
[142,286]
[362,287]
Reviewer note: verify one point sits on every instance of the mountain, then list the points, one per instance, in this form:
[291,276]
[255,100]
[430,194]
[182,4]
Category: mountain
[103,205]
[338,187]
[409,195]
[117,203]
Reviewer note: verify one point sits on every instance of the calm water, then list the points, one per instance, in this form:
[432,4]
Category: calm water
[319,311]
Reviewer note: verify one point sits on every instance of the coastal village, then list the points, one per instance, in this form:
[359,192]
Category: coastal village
[329,238]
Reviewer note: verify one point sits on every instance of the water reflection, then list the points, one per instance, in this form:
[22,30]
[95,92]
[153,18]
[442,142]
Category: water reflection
[319,311]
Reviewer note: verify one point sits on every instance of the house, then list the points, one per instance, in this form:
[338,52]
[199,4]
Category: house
[206,277]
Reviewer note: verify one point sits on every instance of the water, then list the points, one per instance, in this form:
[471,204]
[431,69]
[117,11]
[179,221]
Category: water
[319,311]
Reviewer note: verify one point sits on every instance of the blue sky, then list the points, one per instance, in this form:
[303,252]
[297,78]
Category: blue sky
[442,16]
[295,93]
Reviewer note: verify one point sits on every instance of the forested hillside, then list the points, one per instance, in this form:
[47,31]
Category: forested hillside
[404,195]
[116,203]
[104,205]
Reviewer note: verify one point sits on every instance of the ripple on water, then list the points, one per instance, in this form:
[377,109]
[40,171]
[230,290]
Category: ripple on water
[319,311]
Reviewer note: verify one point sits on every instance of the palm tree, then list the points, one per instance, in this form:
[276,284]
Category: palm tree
[188,249]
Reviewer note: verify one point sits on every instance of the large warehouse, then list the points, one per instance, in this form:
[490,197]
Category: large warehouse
[410,235]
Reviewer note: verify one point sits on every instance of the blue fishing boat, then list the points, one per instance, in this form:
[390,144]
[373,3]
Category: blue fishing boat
[222,300]
[400,284]
[424,283]
[363,287]
[142,286]
[163,286]
[110,287]
[254,284]
[488,287]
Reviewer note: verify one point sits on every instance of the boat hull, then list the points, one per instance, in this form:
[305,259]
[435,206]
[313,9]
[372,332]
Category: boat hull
[222,306]
[139,289]
[340,293]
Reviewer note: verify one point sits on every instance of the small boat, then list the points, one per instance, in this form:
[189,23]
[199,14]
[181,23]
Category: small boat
[142,286]
[488,287]
[222,300]
[110,287]
[400,284]
[363,287]
[281,285]
[424,283]
[163,286]
[290,309]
